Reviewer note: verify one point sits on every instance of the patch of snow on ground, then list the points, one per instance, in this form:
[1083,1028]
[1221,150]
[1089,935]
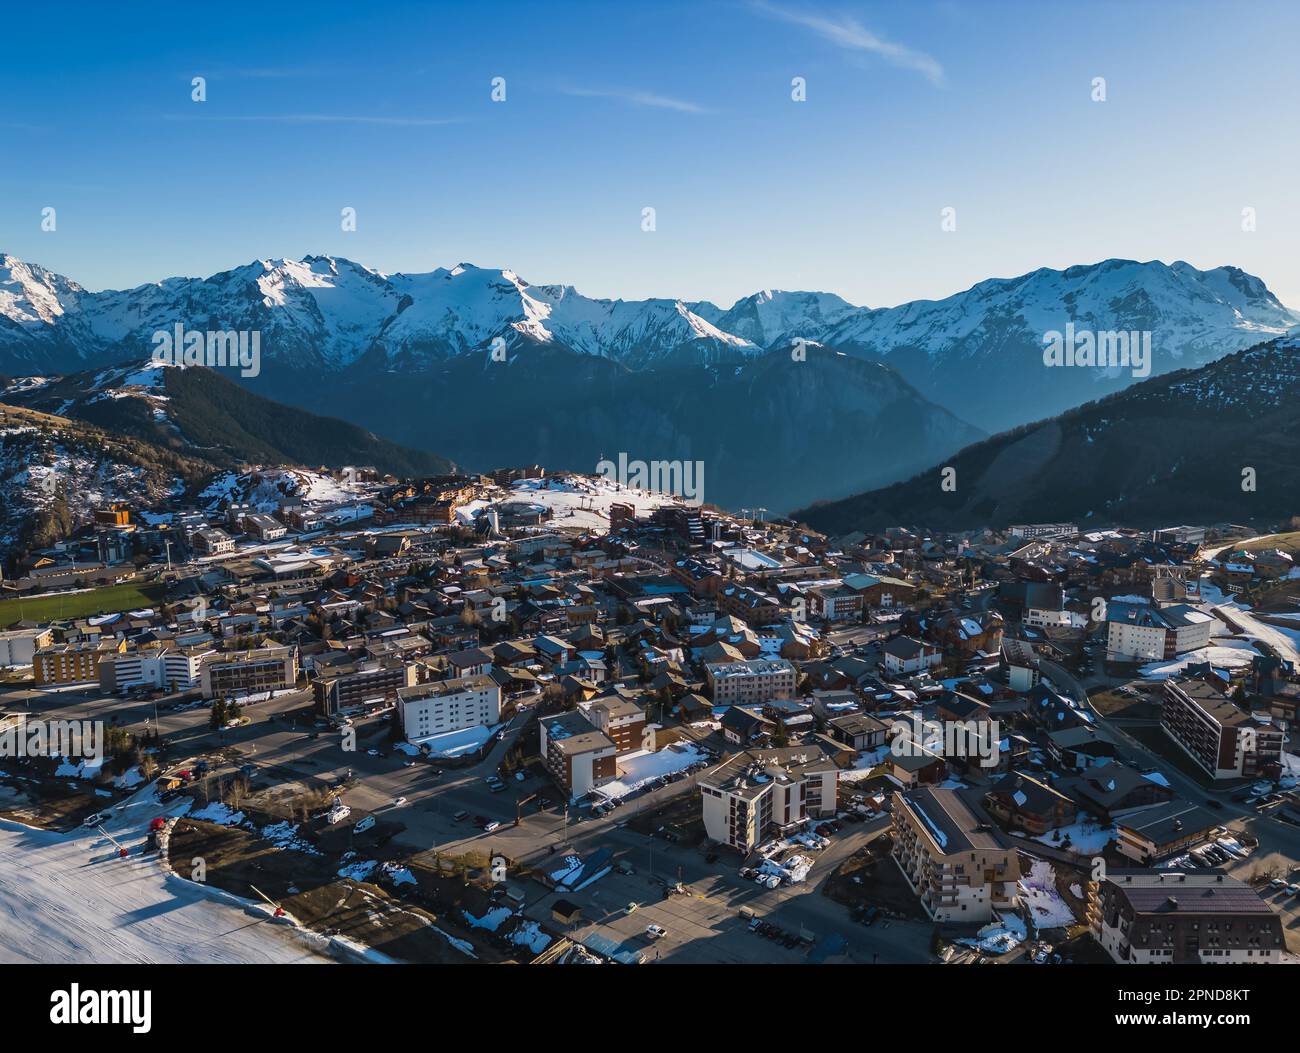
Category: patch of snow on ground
[219,812]
[1038,892]
[998,937]
[491,921]
[456,743]
[1086,838]
[640,767]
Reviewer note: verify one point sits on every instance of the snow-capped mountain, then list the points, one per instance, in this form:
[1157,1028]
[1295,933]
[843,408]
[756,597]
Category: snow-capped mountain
[774,316]
[1173,449]
[324,313]
[977,352]
[980,353]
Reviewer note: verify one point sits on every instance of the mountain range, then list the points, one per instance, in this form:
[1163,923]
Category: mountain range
[487,369]
[1205,445]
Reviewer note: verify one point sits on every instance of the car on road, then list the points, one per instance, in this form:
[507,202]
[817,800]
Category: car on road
[656,932]
[1211,802]
[460,816]
[372,753]
[1293,890]
[490,826]
[398,802]
[94,819]
[1277,883]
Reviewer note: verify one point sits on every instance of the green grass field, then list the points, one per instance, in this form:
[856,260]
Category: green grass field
[108,600]
[1289,543]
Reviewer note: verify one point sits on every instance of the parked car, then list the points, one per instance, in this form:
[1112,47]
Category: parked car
[460,816]
[94,819]
[655,932]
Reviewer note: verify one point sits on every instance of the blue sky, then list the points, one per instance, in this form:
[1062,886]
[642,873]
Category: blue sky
[680,106]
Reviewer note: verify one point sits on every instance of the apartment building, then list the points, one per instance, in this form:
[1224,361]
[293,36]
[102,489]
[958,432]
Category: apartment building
[264,527]
[1172,917]
[749,605]
[835,603]
[167,666]
[213,541]
[620,719]
[73,663]
[579,756]
[904,655]
[757,680]
[1227,742]
[361,684]
[1030,531]
[442,706]
[1142,632]
[1167,828]
[19,646]
[759,792]
[237,673]
[952,855]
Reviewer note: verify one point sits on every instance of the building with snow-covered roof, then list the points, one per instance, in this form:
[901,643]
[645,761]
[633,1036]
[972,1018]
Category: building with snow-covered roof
[1141,631]
[757,680]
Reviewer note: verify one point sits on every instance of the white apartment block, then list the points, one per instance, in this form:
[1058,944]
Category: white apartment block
[19,646]
[757,680]
[448,705]
[756,793]
[904,655]
[1139,631]
[171,668]
[1037,530]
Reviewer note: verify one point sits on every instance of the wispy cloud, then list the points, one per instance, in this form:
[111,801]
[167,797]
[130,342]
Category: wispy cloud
[638,98]
[315,118]
[848,33]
